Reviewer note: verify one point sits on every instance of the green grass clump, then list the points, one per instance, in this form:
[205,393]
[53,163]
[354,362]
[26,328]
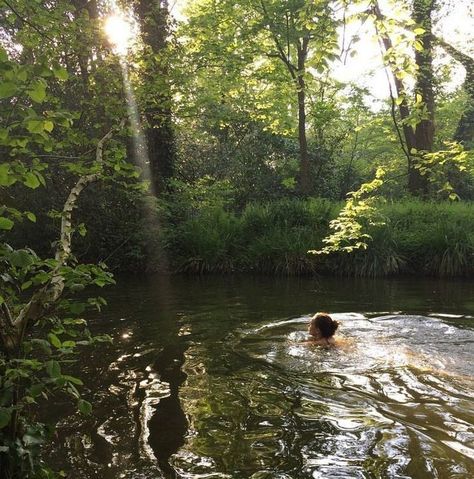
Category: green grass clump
[422,238]
[435,238]
[207,243]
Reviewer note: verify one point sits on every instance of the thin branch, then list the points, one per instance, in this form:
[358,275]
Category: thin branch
[27,22]
[291,68]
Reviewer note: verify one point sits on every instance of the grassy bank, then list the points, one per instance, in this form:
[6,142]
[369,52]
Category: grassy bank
[418,238]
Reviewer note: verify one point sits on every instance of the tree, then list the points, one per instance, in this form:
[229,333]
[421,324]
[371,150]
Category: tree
[276,50]
[42,135]
[417,118]
[154,22]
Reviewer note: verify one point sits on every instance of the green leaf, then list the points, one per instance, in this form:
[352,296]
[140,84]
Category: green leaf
[21,258]
[48,125]
[38,92]
[31,216]
[5,175]
[5,415]
[54,340]
[82,230]
[76,287]
[60,73]
[7,89]
[84,406]
[36,389]
[35,126]
[53,369]
[6,223]
[77,308]
[74,380]
[31,180]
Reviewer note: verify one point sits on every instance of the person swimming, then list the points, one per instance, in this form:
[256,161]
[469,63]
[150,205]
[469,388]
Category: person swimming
[322,329]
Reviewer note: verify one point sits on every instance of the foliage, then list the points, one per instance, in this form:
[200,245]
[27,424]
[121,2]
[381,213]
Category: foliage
[445,168]
[38,370]
[41,326]
[349,229]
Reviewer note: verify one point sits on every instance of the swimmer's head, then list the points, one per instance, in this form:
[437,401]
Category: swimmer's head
[322,325]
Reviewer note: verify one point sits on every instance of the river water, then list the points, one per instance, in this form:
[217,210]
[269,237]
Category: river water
[208,378]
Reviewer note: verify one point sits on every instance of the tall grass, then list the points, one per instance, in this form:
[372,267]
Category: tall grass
[418,238]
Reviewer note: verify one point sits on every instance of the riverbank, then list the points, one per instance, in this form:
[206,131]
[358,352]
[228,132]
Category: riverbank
[418,238]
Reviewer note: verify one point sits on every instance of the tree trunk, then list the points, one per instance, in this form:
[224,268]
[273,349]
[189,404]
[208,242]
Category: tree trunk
[421,138]
[305,171]
[153,18]
[425,129]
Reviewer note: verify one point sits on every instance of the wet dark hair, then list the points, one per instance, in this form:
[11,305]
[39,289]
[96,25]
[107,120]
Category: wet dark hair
[326,325]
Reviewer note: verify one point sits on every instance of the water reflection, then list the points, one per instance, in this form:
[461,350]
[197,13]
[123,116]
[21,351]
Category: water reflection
[167,422]
[207,379]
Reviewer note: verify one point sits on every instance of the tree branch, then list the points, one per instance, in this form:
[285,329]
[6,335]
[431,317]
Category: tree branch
[27,22]
[281,53]
[43,299]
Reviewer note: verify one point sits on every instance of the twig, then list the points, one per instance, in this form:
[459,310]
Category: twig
[27,22]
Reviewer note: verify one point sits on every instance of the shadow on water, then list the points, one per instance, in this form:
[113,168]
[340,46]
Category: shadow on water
[168,424]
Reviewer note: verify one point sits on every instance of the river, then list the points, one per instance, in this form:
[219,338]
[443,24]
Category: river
[208,378]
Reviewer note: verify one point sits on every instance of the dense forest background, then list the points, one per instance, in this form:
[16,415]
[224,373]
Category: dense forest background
[250,142]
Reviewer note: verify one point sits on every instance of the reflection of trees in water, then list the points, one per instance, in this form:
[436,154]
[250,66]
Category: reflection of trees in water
[168,425]
[241,419]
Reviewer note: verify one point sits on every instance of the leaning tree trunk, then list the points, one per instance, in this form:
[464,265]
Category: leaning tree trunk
[14,328]
[153,17]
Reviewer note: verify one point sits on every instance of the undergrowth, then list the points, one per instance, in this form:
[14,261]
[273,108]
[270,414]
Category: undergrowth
[421,238]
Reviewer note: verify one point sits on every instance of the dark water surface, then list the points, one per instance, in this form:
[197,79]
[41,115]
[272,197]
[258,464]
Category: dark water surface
[208,378]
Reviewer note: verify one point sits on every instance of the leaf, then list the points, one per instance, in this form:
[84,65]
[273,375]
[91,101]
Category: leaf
[21,258]
[31,180]
[84,406]
[77,308]
[38,92]
[54,340]
[7,89]
[6,223]
[53,369]
[35,126]
[60,73]
[419,31]
[48,125]
[36,389]
[31,216]
[5,176]
[74,380]
[76,287]
[5,415]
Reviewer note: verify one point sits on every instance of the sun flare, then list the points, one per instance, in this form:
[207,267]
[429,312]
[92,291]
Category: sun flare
[119,30]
